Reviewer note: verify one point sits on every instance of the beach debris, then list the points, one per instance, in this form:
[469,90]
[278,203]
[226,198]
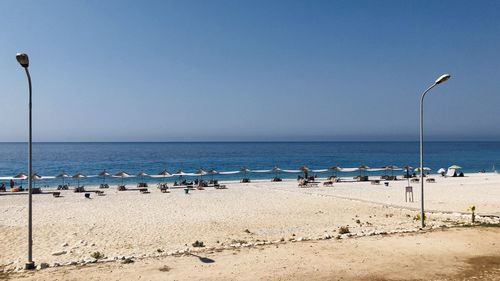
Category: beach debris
[198,244]
[97,255]
[58,253]
[127,261]
[344,229]
[42,265]
[472,209]
[165,268]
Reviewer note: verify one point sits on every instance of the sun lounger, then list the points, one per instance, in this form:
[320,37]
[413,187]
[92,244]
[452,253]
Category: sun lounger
[144,190]
[375,181]
[328,183]
[79,189]
[220,186]
[312,184]
[276,179]
[245,180]
[430,180]
[414,180]
[56,194]
[121,188]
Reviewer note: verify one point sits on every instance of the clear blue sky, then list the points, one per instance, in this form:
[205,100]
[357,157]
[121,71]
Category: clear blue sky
[250,70]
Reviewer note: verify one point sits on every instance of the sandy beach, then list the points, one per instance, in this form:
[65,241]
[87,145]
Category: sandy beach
[128,224]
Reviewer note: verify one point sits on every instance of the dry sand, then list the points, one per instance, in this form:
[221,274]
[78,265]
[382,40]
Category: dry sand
[457,254]
[132,224]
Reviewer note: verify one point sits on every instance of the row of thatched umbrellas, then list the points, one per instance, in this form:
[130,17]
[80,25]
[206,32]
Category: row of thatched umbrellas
[200,173]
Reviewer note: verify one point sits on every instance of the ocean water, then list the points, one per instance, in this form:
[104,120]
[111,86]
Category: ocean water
[90,158]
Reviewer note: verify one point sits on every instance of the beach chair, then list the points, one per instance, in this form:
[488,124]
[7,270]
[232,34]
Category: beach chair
[79,189]
[56,194]
[430,180]
[121,188]
[415,180]
[143,190]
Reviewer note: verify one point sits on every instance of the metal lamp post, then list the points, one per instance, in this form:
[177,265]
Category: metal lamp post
[24,62]
[440,80]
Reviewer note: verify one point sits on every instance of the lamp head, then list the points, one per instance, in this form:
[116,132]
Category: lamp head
[23,60]
[442,78]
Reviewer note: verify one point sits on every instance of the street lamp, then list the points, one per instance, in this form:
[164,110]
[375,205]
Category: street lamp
[24,62]
[438,81]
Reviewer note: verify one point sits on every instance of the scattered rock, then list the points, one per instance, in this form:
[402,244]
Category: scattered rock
[64,244]
[42,265]
[58,253]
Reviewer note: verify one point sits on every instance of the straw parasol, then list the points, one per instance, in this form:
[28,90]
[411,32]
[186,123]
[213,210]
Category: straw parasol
[200,172]
[122,175]
[212,172]
[363,168]
[104,174]
[305,170]
[276,170]
[78,176]
[35,177]
[245,171]
[20,176]
[391,168]
[164,174]
[63,176]
[456,167]
[334,169]
[142,174]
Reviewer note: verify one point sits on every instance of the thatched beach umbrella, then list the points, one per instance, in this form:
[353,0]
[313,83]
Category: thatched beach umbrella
[334,169]
[141,175]
[391,168]
[200,172]
[35,177]
[63,176]
[455,167]
[212,172]
[104,174]
[362,169]
[20,176]
[78,176]
[122,175]
[245,171]
[305,170]
[164,174]
[276,171]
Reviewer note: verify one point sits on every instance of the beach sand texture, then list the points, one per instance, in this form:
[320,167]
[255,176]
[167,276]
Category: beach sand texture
[129,223]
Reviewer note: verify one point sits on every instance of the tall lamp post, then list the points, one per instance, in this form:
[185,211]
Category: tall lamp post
[24,62]
[440,80]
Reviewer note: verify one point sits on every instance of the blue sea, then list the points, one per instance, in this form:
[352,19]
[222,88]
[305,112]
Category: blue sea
[50,159]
